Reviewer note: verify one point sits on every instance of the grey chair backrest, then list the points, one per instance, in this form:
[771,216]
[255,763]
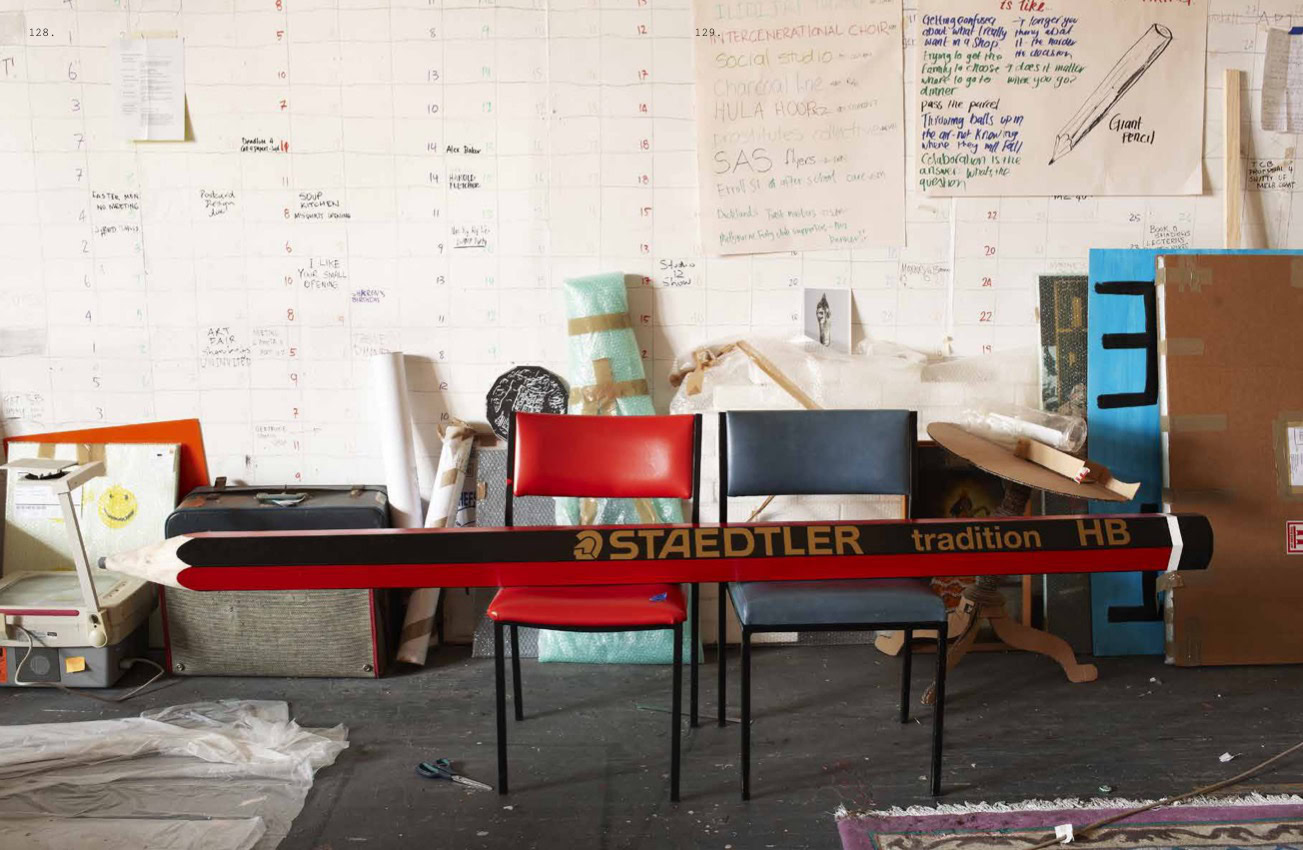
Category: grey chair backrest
[816,452]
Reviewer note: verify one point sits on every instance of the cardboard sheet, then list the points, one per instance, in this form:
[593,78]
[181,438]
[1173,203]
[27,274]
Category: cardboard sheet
[998,460]
[800,125]
[1232,403]
[1033,98]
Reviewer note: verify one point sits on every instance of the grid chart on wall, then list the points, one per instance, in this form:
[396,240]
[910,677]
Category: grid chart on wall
[363,176]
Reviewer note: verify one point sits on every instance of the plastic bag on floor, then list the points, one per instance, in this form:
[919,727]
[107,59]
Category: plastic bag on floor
[228,775]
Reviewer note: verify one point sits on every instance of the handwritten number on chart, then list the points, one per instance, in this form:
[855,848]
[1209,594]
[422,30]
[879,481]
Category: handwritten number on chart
[984,316]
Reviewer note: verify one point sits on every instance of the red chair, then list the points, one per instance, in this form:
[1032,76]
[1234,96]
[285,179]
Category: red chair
[616,457]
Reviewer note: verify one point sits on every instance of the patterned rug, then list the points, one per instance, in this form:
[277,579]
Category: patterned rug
[1233,823]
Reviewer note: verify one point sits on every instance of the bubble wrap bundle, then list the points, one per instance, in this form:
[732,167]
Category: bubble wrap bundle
[607,378]
[771,374]
[725,376]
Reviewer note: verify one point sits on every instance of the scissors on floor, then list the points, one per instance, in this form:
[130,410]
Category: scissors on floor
[442,769]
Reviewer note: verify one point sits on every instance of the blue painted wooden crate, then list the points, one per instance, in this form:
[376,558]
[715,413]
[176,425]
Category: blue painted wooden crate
[1123,418]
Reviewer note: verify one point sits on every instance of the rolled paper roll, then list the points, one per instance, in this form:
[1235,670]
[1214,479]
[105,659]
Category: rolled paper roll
[393,418]
[454,460]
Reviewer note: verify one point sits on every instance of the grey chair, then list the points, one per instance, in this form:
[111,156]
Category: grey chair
[834,452]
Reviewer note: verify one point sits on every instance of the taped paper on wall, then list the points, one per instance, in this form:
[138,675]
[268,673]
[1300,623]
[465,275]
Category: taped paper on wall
[1282,82]
[1006,99]
[800,122]
[13,28]
[149,82]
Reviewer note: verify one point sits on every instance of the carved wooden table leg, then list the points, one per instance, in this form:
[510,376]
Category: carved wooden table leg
[982,600]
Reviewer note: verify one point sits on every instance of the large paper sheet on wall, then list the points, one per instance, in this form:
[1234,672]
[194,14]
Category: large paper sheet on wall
[800,133]
[1067,98]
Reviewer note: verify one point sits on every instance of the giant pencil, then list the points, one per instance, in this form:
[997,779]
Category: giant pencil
[1124,74]
[502,557]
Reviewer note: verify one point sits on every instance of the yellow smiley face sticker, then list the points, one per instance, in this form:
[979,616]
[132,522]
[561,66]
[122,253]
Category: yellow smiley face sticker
[117,506]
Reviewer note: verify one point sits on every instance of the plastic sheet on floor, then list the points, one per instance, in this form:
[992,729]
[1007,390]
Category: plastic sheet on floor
[228,775]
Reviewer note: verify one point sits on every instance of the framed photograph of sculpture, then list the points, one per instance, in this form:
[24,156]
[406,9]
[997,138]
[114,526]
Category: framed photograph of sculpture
[827,317]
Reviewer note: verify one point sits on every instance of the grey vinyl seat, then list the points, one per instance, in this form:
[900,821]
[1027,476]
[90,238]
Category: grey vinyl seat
[784,604]
[825,452]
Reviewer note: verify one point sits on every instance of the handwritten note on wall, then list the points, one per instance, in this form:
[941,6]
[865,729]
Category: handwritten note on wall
[800,134]
[1282,82]
[1037,97]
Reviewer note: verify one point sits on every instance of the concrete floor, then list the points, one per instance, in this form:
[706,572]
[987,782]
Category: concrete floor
[590,769]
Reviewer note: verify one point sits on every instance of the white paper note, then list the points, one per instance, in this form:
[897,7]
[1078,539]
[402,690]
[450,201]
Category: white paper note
[1282,82]
[13,29]
[1295,455]
[800,134]
[36,501]
[149,82]
[1046,97]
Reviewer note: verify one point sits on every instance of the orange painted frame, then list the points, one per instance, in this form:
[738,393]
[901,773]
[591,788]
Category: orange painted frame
[186,432]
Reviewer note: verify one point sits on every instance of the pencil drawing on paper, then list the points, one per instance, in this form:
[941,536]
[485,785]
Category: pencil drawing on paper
[1124,74]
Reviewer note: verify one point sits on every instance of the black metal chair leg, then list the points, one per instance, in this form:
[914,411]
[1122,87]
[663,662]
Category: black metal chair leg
[720,656]
[746,714]
[694,608]
[938,712]
[515,674]
[676,714]
[906,662]
[500,686]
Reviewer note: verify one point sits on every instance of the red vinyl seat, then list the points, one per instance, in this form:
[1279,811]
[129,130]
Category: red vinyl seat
[600,457]
[611,606]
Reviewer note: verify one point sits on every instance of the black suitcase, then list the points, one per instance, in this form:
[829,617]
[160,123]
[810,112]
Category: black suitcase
[278,633]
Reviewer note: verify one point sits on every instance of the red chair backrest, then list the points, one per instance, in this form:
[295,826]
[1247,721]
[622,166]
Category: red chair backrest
[614,457]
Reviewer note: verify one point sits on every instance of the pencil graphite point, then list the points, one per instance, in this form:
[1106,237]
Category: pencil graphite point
[1062,145]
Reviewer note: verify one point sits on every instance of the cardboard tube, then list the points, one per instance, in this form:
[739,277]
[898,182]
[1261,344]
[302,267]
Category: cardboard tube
[449,480]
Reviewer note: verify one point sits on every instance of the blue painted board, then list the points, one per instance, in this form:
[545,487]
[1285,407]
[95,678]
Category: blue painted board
[1123,420]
